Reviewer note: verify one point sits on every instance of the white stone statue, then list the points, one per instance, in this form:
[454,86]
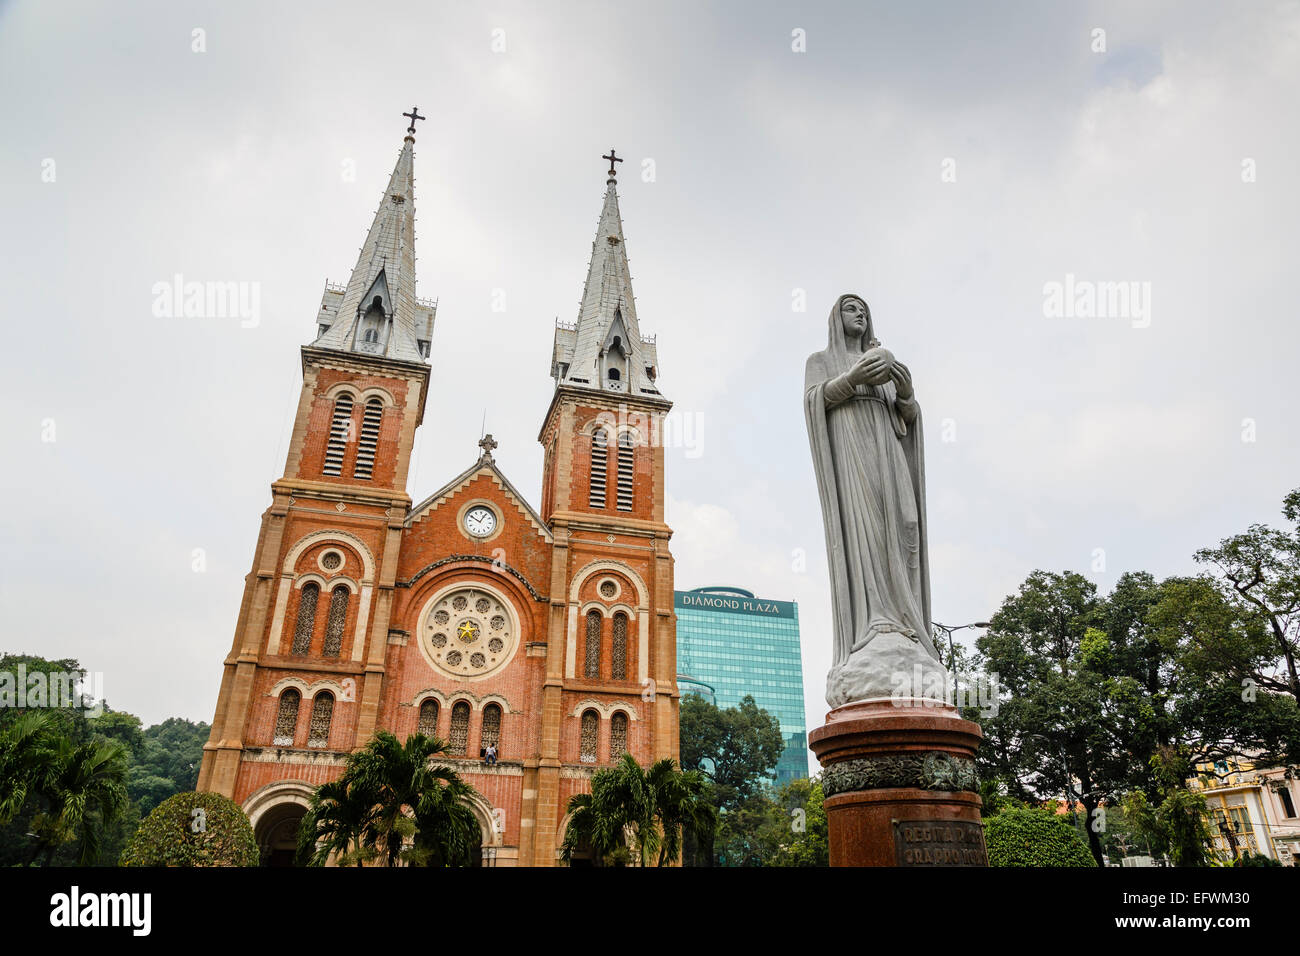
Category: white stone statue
[864,426]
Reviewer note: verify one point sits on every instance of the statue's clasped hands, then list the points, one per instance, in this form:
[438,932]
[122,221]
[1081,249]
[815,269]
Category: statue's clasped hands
[878,366]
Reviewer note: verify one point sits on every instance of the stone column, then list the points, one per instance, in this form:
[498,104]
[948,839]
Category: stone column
[900,785]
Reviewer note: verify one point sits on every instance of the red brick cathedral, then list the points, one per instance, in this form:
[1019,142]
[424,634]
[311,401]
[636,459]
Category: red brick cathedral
[470,615]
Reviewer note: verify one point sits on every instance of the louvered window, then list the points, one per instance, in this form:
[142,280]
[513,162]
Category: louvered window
[599,465]
[591,663]
[459,736]
[338,616]
[286,719]
[340,428]
[626,460]
[490,735]
[617,735]
[306,622]
[590,737]
[618,668]
[428,718]
[322,712]
[369,439]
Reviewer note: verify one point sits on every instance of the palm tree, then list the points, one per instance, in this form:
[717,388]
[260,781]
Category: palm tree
[649,810]
[82,791]
[393,804]
[25,752]
[335,825]
[682,805]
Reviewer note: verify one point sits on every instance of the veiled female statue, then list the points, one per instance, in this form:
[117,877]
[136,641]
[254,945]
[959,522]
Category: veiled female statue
[864,426]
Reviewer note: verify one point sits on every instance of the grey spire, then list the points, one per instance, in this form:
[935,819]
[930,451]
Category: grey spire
[604,350]
[377,312]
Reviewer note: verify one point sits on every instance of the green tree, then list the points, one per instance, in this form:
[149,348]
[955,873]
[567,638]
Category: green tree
[193,829]
[633,811]
[1063,728]
[336,824]
[736,748]
[26,750]
[418,812]
[1259,571]
[1034,837]
[81,790]
[795,832]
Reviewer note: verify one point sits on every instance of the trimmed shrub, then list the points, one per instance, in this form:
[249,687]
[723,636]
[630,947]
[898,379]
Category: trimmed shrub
[1031,837]
[193,829]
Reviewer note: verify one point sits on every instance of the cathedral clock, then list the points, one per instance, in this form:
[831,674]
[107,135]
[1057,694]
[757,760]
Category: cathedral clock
[480,521]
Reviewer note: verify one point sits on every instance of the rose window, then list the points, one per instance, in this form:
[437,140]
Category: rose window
[469,632]
[608,589]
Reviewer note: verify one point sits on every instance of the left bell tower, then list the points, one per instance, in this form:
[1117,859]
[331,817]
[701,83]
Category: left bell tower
[305,673]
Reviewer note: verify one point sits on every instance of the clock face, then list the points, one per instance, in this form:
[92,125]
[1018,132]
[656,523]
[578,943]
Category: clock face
[480,521]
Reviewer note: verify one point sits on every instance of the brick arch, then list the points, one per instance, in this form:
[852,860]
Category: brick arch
[288,575]
[641,614]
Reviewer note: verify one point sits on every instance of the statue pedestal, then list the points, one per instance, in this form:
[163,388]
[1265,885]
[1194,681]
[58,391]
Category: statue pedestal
[900,785]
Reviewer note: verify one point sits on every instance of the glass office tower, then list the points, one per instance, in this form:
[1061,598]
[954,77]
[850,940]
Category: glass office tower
[736,644]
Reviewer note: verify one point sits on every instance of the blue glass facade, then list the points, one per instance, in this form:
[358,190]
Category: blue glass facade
[738,644]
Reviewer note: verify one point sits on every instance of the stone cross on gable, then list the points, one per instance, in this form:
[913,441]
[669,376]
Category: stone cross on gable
[487,444]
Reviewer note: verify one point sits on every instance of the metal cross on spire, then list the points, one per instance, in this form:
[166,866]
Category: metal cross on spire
[612,160]
[415,115]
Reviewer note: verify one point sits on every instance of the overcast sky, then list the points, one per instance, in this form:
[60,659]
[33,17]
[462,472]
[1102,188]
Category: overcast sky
[946,161]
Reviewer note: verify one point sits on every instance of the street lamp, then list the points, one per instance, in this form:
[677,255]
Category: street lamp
[952,655]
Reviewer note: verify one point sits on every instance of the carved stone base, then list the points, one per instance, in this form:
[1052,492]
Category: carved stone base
[900,785]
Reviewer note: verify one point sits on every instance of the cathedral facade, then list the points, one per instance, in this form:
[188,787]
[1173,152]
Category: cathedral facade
[547,633]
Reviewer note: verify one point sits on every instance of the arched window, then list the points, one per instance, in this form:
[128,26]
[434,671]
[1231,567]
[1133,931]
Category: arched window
[626,465]
[614,375]
[338,615]
[591,663]
[369,438]
[372,335]
[306,624]
[490,735]
[340,431]
[599,466]
[286,719]
[428,718]
[458,739]
[322,712]
[618,665]
[617,735]
[590,736]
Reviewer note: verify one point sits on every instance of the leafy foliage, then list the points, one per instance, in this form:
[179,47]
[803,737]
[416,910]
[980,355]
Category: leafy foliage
[633,812]
[193,829]
[393,804]
[1033,837]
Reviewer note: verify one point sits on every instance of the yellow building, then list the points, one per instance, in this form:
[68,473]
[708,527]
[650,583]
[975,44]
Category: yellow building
[1251,808]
